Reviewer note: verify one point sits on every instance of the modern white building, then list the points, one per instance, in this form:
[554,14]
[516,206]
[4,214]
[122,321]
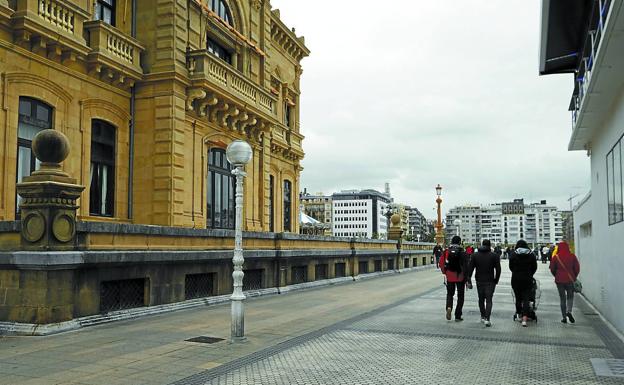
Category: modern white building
[585,39]
[505,223]
[359,214]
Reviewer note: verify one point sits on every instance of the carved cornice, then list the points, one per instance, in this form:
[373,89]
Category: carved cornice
[286,39]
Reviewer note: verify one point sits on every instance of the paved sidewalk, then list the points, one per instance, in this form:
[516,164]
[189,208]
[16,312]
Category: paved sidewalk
[388,330]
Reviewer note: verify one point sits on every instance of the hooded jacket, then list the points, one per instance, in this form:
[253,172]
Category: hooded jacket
[487,265]
[564,258]
[522,264]
[453,276]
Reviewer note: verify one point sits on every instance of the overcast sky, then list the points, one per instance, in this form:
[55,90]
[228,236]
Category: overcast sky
[417,93]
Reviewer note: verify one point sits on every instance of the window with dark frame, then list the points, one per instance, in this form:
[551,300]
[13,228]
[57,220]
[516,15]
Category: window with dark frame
[218,50]
[287,114]
[221,9]
[615,183]
[102,170]
[105,11]
[33,116]
[220,191]
[287,205]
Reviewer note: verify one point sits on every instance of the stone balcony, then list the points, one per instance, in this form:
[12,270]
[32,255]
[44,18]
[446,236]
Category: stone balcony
[113,53]
[225,96]
[51,27]
[61,31]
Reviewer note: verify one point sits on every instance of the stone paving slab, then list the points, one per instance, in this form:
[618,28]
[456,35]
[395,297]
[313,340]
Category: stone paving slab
[411,343]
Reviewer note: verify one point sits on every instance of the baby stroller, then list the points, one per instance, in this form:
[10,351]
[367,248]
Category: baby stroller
[534,299]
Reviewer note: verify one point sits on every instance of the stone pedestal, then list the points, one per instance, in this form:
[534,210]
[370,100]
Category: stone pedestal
[48,206]
[395,232]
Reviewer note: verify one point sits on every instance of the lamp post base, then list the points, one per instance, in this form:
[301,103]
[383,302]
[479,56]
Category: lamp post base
[238,321]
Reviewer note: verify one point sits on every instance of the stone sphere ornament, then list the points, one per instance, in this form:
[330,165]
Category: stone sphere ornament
[50,146]
[238,153]
[395,219]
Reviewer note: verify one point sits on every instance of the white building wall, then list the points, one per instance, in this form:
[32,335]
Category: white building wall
[602,254]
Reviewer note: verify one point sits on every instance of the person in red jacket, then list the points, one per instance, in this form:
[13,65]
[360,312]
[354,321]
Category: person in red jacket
[565,267]
[454,265]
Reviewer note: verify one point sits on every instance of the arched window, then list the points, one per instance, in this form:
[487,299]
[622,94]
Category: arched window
[33,116]
[102,170]
[220,191]
[287,205]
[221,9]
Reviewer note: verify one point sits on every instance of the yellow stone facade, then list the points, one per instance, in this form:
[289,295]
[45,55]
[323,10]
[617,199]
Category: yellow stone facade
[187,100]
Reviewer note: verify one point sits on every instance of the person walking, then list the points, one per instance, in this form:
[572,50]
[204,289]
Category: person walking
[565,267]
[454,265]
[488,272]
[523,266]
[437,252]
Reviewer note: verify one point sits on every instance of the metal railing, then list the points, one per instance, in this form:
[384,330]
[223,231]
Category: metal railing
[598,17]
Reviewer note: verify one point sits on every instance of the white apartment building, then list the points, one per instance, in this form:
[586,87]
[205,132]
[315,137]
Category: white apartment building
[505,223]
[359,214]
[586,41]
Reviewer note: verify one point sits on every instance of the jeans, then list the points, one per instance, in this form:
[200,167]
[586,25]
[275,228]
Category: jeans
[522,290]
[566,297]
[485,290]
[450,292]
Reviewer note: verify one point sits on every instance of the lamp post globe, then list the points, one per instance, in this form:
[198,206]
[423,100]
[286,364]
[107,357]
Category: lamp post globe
[238,153]
[438,190]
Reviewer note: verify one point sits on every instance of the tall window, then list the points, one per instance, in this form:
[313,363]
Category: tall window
[287,205]
[271,205]
[33,116]
[102,171]
[287,115]
[221,9]
[615,184]
[219,51]
[105,11]
[220,191]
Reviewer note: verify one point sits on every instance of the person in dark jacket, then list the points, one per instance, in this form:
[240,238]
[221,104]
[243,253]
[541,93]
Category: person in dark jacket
[454,265]
[488,272]
[566,268]
[523,266]
[437,252]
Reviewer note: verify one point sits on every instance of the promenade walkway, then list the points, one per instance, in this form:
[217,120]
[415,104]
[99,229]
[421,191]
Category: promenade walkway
[388,330]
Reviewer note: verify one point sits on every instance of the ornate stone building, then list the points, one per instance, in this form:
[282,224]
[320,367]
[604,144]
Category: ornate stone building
[149,93]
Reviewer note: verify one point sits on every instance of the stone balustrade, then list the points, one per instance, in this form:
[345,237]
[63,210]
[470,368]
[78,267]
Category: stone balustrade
[113,48]
[206,67]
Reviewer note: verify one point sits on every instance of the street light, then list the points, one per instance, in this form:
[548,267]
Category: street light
[238,153]
[457,223]
[439,235]
[418,236]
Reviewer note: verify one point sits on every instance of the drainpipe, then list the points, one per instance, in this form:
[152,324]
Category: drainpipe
[132,113]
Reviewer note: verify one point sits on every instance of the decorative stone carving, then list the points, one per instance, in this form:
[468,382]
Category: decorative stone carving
[395,232]
[48,206]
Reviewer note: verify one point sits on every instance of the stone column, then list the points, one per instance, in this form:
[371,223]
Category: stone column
[48,206]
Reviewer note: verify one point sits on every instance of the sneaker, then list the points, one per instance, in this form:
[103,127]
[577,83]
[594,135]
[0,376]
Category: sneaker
[572,320]
[564,321]
[519,317]
[448,313]
[524,324]
[458,319]
[488,323]
[482,320]
[524,321]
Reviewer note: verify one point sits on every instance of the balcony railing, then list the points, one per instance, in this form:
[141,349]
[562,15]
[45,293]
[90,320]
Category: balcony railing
[599,15]
[113,48]
[59,20]
[205,66]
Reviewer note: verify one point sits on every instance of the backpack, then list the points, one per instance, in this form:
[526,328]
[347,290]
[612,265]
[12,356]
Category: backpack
[453,259]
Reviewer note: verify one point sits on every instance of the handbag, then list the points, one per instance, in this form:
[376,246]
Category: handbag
[578,286]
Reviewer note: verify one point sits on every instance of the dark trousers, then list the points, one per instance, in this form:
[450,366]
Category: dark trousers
[522,291]
[450,292]
[437,259]
[485,290]
[566,297]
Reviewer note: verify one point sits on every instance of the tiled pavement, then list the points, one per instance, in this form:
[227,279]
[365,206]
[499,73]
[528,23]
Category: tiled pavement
[389,330]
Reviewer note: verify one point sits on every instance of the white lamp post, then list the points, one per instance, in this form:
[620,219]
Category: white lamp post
[418,236]
[457,223]
[238,153]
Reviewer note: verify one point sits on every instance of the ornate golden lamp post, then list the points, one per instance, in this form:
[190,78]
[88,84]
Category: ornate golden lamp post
[439,237]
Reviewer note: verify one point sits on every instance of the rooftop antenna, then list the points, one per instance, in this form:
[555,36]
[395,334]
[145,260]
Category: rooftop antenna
[570,200]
